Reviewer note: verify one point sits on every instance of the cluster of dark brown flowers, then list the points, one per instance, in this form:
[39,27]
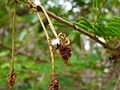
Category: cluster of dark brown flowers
[54,84]
[112,58]
[65,52]
[12,76]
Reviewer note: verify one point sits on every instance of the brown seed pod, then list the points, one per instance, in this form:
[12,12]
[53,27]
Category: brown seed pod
[65,52]
[54,84]
[12,76]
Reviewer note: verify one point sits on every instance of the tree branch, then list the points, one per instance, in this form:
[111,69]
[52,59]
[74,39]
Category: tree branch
[61,20]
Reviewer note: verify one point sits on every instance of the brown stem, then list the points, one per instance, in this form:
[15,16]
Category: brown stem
[49,44]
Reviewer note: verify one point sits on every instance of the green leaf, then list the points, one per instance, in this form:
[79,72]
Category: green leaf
[81,25]
[25,1]
[87,23]
[97,3]
[4,53]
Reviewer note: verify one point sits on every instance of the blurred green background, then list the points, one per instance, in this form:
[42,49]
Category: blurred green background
[87,69]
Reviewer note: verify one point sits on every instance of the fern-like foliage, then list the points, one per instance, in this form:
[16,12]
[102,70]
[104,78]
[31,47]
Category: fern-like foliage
[106,28]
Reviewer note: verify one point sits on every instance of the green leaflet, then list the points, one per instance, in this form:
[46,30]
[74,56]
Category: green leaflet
[110,29]
[25,1]
[88,23]
[115,19]
[9,2]
[81,25]
[97,3]
[116,31]
[99,29]
[84,23]
[114,24]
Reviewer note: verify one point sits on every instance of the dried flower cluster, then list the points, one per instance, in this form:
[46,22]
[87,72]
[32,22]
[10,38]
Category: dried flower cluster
[12,76]
[113,58]
[65,52]
[54,84]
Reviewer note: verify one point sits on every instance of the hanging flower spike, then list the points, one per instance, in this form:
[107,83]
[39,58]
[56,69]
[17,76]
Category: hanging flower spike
[54,85]
[12,76]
